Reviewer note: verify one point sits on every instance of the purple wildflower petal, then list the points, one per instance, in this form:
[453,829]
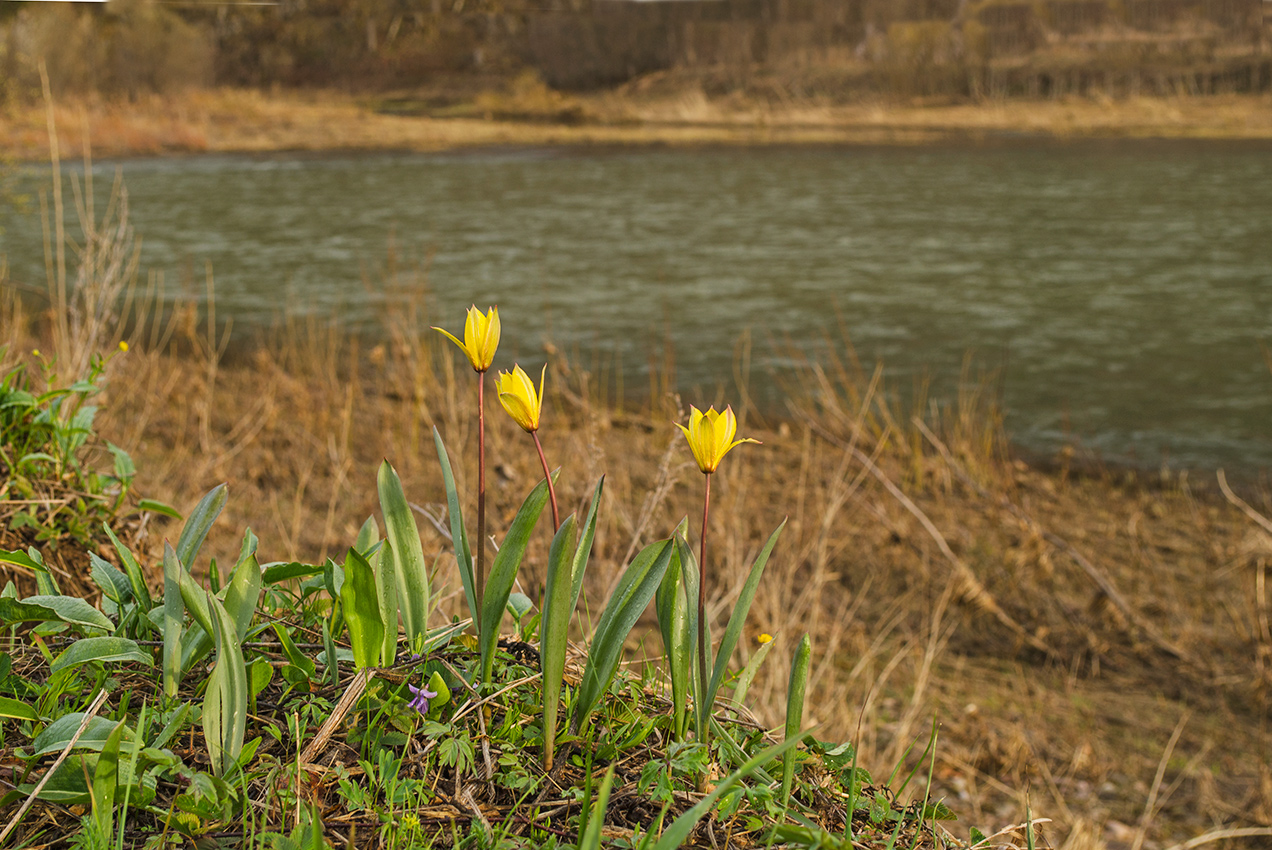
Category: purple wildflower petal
[420,698]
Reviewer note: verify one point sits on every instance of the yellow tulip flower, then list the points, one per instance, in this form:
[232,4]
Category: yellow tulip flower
[519,397]
[481,337]
[710,436]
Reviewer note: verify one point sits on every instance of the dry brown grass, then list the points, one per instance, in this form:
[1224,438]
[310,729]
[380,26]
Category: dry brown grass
[1051,691]
[668,112]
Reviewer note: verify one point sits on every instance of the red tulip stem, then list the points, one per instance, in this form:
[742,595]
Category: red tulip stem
[703,734]
[556,516]
[481,494]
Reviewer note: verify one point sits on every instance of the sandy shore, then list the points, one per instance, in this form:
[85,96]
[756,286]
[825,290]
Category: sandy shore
[243,121]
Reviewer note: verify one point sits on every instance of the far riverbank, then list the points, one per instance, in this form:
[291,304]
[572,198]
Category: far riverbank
[249,121]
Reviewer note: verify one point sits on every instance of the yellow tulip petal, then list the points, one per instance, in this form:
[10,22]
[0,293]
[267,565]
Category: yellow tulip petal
[518,411]
[710,436]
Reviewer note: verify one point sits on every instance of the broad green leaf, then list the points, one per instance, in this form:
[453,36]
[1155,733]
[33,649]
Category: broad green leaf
[157,507]
[106,779]
[362,611]
[381,562]
[244,591]
[114,584]
[68,786]
[737,620]
[503,573]
[519,605]
[176,720]
[16,709]
[66,609]
[20,559]
[225,703]
[284,571]
[635,590]
[678,833]
[195,599]
[173,615]
[125,469]
[45,581]
[459,537]
[104,649]
[408,555]
[554,629]
[196,528]
[135,576]
[795,710]
[58,734]
[293,655]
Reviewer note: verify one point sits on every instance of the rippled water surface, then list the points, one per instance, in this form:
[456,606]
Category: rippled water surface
[1124,289]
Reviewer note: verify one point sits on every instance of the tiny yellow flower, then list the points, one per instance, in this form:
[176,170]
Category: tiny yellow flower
[766,638]
[123,345]
[519,397]
[710,436]
[481,337]
[35,352]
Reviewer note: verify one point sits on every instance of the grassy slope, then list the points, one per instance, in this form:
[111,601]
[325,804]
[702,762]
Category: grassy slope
[298,427]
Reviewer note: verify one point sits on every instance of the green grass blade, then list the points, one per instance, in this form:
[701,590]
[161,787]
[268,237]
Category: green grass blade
[459,536]
[196,528]
[747,676]
[591,837]
[362,611]
[733,632]
[584,551]
[503,573]
[681,827]
[635,590]
[554,630]
[795,710]
[408,555]
[173,614]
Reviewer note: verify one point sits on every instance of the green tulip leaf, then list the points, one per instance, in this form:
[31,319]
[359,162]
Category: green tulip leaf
[503,574]
[635,590]
[407,555]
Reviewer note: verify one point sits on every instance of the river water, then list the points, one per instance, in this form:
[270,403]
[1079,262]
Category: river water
[1123,290]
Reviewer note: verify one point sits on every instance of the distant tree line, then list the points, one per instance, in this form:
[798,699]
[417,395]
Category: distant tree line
[826,48]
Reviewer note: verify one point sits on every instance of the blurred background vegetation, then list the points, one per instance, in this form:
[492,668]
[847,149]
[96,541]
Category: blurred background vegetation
[829,50]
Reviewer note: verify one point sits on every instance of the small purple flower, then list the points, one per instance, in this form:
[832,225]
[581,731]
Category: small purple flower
[420,698]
